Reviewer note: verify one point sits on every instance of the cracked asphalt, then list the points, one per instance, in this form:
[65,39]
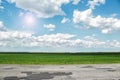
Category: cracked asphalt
[60,72]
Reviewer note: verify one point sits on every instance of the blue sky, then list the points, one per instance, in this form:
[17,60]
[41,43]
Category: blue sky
[60,25]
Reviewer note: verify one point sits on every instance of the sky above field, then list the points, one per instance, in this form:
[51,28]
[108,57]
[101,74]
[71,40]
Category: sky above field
[60,25]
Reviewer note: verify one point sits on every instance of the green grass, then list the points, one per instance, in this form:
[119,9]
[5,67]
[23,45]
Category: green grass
[59,58]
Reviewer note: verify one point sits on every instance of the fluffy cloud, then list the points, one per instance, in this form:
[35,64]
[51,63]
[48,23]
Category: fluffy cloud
[42,8]
[23,39]
[64,20]
[79,16]
[94,3]
[14,38]
[2,28]
[50,27]
[1,24]
[75,2]
[90,21]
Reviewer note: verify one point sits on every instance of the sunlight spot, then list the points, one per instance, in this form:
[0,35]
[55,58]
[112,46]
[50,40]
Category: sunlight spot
[29,20]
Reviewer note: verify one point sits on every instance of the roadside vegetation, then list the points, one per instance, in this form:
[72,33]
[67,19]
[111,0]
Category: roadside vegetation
[59,58]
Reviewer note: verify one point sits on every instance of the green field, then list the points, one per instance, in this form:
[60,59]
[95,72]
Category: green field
[59,58]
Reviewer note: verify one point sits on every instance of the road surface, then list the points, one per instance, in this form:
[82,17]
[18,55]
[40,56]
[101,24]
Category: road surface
[60,72]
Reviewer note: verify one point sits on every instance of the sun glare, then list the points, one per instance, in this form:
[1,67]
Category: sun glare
[29,20]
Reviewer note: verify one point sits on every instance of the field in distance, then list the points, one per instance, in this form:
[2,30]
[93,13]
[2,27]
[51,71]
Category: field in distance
[59,58]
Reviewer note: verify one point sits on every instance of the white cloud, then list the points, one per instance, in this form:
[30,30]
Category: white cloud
[2,28]
[50,27]
[105,31]
[14,38]
[24,39]
[64,20]
[21,14]
[42,8]
[81,15]
[91,42]
[1,24]
[113,15]
[94,3]
[88,19]
[75,2]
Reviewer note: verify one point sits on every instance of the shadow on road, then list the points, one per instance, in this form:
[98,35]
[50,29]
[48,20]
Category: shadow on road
[38,76]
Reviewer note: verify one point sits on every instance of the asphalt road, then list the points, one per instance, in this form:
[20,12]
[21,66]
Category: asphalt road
[60,72]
